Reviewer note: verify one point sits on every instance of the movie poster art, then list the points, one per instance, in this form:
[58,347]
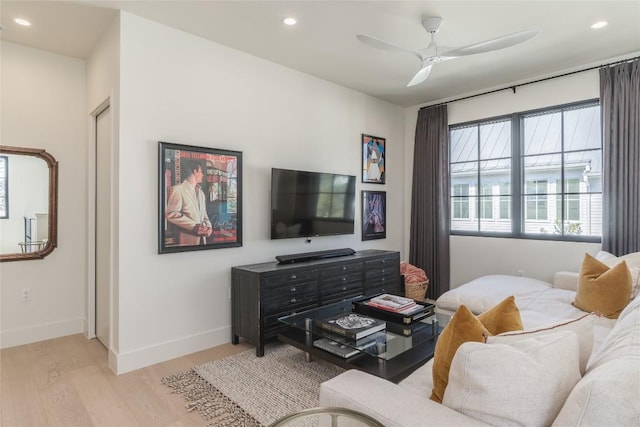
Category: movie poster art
[374,215]
[374,158]
[200,197]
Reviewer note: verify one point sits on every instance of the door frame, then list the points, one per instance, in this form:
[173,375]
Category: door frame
[90,330]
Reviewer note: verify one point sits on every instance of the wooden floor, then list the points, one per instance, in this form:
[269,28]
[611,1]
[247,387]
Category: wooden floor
[66,382]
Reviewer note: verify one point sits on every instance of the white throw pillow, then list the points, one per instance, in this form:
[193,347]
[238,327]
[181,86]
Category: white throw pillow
[522,383]
[582,326]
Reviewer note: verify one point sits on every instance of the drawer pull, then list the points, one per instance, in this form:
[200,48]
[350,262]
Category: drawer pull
[344,288]
[344,279]
[293,300]
[344,268]
[293,289]
[384,279]
[293,277]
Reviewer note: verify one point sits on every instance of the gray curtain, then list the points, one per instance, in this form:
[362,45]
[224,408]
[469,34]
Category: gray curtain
[620,106]
[430,204]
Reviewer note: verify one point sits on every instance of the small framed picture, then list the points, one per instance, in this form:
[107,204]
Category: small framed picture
[374,215]
[373,159]
[200,198]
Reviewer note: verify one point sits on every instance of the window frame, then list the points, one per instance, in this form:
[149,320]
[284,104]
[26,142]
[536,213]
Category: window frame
[517,206]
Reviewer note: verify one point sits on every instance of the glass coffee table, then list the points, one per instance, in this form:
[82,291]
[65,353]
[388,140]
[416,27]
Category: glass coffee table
[391,354]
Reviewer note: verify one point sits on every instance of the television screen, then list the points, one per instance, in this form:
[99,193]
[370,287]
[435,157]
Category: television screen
[306,204]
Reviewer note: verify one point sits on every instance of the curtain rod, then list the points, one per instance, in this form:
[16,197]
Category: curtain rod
[513,87]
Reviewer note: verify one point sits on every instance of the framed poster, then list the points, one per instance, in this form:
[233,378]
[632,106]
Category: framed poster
[373,159]
[374,215]
[200,198]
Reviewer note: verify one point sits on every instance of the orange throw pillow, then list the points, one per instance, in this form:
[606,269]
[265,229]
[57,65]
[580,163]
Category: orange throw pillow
[464,327]
[602,289]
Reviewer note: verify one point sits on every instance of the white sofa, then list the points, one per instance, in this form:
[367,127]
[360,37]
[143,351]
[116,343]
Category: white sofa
[608,394]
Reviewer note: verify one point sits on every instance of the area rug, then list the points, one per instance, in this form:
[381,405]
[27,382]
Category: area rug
[245,390]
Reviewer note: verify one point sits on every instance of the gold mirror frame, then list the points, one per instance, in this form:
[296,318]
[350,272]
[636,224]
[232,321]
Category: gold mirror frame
[52,241]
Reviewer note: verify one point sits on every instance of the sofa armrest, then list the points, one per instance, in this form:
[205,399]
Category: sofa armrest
[388,403]
[566,280]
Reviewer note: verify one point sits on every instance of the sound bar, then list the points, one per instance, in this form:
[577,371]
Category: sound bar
[310,256]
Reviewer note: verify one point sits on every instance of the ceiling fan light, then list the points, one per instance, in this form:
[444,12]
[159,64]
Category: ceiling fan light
[598,25]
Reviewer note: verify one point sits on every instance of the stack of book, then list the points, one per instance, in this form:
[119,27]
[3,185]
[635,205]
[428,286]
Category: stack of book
[352,327]
[394,303]
[394,308]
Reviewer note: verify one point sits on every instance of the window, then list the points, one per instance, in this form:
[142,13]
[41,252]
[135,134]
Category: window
[536,200]
[529,175]
[486,201]
[505,201]
[461,201]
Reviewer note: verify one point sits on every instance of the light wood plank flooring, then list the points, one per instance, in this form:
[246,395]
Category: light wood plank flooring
[66,382]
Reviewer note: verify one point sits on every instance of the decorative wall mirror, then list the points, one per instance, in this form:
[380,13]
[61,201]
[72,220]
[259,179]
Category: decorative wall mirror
[28,203]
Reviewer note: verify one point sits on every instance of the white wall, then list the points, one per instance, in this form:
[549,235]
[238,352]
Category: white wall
[472,257]
[103,88]
[179,88]
[43,107]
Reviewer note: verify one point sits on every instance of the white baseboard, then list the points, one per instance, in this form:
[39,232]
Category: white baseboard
[124,362]
[42,332]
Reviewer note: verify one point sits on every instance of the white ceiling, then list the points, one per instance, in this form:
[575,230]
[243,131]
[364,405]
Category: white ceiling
[324,41]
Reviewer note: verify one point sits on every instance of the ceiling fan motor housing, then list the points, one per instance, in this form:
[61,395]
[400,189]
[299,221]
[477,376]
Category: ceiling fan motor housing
[432,24]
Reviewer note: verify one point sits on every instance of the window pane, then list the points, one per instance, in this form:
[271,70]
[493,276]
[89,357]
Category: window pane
[585,166]
[464,144]
[545,169]
[542,133]
[462,214]
[495,140]
[582,128]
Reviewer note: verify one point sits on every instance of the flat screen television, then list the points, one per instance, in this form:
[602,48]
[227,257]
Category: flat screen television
[308,204]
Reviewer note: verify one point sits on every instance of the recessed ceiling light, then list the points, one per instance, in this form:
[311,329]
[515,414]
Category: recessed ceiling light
[22,21]
[599,24]
[289,21]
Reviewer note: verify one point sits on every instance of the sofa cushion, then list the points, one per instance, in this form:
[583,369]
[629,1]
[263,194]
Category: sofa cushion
[464,327]
[480,294]
[603,289]
[522,383]
[622,341]
[582,327]
[609,392]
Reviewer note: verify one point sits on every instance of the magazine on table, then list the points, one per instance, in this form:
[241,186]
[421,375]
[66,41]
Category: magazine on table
[392,302]
[352,325]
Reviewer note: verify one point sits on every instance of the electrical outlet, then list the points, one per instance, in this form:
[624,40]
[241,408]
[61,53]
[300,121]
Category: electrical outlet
[25,295]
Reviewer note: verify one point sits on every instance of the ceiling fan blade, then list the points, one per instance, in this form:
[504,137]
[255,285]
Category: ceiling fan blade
[381,44]
[490,45]
[421,75]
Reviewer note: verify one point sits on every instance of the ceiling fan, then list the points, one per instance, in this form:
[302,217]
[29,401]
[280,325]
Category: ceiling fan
[434,54]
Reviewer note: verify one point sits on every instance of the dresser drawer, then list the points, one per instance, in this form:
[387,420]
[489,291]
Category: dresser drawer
[341,270]
[382,271]
[289,298]
[291,277]
[388,261]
